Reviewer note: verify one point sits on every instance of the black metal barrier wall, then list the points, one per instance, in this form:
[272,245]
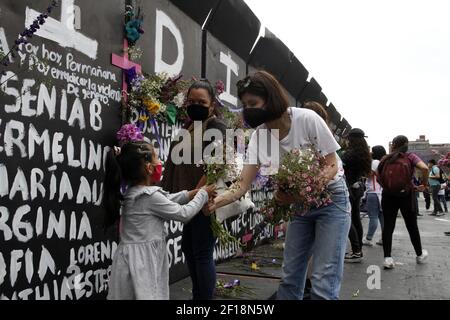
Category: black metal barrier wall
[58,121]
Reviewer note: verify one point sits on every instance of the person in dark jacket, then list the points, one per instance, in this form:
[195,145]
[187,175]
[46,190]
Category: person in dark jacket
[357,162]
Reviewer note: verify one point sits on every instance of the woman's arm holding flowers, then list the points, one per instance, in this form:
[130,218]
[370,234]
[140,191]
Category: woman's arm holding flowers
[331,167]
[244,184]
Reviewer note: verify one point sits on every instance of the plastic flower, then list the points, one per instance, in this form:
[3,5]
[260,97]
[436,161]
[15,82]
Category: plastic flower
[133,30]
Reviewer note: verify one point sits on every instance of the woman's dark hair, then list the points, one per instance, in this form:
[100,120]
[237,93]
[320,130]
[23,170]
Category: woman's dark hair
[317,108]
[358,159]
[203,84]
[400,144]
[127,167]
[378,152]
[432,161]
[264,85]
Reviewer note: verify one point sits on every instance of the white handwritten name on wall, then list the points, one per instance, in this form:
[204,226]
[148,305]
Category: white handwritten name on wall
[53,117]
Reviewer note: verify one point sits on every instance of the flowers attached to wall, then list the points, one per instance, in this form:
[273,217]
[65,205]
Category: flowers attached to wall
[157,97]
[133,24]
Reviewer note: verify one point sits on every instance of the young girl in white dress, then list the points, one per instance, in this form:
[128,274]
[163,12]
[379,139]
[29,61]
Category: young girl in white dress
[140,268]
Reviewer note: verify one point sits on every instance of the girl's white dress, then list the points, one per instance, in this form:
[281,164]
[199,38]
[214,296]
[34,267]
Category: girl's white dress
[140,268]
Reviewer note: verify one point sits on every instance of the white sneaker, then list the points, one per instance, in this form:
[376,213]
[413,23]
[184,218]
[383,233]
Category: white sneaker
[367,242]
[388,263]
[421,259]
[380,242]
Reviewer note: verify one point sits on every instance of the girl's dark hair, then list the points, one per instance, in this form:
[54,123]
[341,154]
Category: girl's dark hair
[317,108]
[127,167]
[378,152]
[266,86]
[359,157]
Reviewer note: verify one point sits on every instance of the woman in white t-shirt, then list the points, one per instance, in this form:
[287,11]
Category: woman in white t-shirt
[321,232]
[441,196]
[373,190]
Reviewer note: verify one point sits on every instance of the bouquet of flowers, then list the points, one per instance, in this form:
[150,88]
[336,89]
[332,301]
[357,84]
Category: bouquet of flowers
[274,213]
[157,97]
[216,172]
[301,176]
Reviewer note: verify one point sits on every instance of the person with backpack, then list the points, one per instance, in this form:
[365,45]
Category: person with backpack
[395,173]
[435,181]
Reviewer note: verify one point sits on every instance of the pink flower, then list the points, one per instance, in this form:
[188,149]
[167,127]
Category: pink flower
[128,133]
[220,87]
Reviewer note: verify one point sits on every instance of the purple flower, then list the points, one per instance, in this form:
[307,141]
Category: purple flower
[220,87]
[127,133]
[231,285]
[131,74]
[260,180]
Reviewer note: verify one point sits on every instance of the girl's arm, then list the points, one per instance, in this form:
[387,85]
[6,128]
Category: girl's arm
[182,197]
[244,184]
[163,207]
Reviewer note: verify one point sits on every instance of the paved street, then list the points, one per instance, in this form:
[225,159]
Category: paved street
[408,281]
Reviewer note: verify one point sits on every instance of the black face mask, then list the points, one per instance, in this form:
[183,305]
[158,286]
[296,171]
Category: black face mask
[197,112]
[257,116]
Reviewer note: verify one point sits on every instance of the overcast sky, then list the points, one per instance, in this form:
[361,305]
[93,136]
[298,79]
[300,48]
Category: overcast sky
[385,65]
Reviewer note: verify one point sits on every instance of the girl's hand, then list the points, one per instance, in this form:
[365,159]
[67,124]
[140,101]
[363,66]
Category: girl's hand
[212,205]
[192,194]
[284,198]
[205,210]
[211,189]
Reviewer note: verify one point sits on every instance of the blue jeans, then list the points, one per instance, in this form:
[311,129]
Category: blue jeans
[198,247]
[444,202]
[375,213]
[323,233]
[436,203]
